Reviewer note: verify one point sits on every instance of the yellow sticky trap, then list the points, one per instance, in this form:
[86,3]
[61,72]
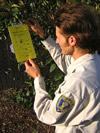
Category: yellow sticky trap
[22,42]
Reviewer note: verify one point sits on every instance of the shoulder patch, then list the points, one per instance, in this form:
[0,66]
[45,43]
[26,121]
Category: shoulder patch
[64,104]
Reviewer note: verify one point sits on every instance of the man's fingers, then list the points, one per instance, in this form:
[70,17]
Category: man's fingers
[31,21]
[32,62]
[27,64]
[32,69]
[33,27]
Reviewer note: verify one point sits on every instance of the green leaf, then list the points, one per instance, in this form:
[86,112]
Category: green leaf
[15,11]
[27,94]
[15,6]
[6,72]
[0,37]
[58,76]
[52,68]
[48,61]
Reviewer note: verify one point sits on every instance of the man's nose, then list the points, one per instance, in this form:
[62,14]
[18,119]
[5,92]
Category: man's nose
[57,41]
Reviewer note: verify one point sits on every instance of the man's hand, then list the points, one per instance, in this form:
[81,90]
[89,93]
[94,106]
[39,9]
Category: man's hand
[35,26]
[32,69]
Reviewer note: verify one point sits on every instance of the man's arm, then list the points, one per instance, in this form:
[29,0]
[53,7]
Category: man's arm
[48,110]
[61,60]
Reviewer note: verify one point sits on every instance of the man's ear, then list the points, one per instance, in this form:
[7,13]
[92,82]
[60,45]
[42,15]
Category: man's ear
[72,41]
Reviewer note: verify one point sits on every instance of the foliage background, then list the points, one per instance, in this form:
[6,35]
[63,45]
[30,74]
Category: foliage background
[17,11]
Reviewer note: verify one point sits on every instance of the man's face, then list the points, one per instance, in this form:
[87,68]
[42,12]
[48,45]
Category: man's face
[64,44]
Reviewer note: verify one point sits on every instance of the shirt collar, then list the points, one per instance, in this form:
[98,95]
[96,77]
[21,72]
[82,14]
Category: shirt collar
[81,60]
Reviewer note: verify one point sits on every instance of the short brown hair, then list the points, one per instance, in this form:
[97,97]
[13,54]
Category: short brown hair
[80,21]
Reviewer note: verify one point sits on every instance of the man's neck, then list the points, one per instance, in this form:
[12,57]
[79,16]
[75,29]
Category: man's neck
[78,52]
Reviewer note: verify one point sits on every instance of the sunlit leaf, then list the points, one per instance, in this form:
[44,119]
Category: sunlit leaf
[52,68]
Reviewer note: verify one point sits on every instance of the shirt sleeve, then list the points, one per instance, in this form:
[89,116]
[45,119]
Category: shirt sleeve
[48,110]
[72,106]
[62,61]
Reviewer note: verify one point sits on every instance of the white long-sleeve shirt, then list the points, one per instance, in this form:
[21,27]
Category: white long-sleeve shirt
[76,106]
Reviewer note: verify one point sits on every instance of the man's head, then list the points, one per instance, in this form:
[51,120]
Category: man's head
[78,21]
[66,43]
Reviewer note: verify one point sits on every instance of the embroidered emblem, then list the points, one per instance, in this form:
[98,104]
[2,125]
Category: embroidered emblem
[64,104]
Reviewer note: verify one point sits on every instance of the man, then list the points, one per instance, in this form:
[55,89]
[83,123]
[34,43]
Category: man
[76,106]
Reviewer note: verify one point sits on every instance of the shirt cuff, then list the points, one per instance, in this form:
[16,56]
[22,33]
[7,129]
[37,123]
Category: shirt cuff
[39,83]
[50,43]
[42,39]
